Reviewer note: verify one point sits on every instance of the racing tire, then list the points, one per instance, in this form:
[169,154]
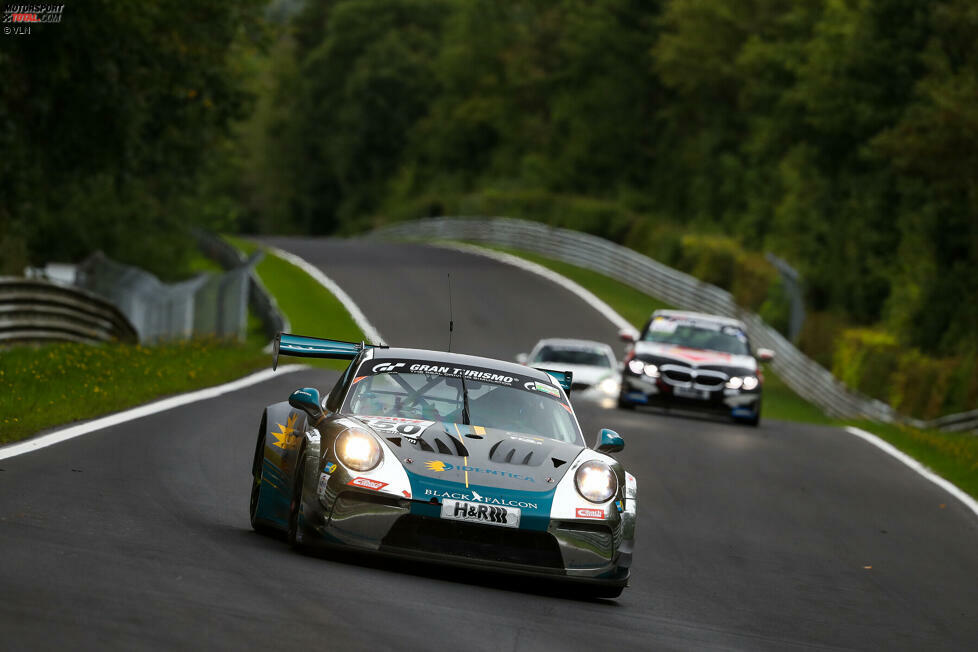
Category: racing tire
[256,480]
[295,507]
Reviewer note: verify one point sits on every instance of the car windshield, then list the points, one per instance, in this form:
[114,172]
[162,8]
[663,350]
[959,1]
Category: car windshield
[411,390]
[568,355]
[697,335]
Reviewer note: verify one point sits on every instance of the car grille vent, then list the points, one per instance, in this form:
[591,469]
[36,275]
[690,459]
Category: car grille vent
[473,541]
[394,440]
[443,443]
[517,452]
[557,463]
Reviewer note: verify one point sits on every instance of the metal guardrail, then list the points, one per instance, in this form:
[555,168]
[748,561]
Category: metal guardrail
[209,304]
[34,310]
[259,298]
[806,377]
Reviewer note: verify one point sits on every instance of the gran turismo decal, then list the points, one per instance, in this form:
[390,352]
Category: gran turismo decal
[323,479]
[387,367]
[286,438]
[589,512]
[439,466]
[367,483]
[477,497]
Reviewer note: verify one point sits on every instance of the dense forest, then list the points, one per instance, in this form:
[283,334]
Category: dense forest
[841,135]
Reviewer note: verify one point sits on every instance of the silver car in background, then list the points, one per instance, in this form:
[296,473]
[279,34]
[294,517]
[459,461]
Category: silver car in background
[593,363]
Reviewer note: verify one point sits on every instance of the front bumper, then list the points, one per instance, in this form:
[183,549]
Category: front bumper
[736,403]
[597,553]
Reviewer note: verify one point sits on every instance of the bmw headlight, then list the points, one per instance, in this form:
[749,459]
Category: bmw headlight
[357,450]
[750,382]
[596,481]
[735,383]
[638,367]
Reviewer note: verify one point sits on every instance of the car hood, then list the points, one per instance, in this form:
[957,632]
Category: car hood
[437,455]
[694,357]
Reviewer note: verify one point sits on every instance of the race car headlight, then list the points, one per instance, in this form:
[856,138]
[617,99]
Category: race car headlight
[357,450]
[609,385]
[596,481]
[750,382]
[638,367]
[735,383]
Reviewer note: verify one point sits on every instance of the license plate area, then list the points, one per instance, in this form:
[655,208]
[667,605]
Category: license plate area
[499,515]
[688,392]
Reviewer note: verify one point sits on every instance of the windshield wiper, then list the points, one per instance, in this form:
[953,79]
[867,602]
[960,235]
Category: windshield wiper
[465,403]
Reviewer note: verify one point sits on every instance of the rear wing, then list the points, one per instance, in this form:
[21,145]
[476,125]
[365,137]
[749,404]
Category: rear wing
[301,346]
[563,378]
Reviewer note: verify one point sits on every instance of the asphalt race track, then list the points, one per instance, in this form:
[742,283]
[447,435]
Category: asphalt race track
[784,537]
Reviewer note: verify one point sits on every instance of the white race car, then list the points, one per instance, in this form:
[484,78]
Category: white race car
[592,363]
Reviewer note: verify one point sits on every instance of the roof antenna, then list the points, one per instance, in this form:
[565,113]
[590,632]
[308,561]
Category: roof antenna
[451,315]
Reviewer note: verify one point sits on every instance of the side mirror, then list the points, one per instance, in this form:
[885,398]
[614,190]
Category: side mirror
[627,335]
[522,358]
[609,442]
[765,355]
[307,400]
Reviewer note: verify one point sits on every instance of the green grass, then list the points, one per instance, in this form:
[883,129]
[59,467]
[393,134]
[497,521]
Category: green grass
[44,386]
[311,309]
[954,456]
[197,262]
[781,402]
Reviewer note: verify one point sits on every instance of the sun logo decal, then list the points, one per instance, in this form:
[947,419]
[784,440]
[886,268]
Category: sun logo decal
[435,465]
[286,438]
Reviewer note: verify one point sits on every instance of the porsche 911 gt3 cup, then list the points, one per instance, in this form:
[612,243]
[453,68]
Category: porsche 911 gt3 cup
[694,361]
[446,457]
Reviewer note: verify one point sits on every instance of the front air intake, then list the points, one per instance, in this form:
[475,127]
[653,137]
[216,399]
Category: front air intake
[442,443]
[514,451]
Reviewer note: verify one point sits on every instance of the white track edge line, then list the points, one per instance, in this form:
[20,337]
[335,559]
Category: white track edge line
[587,296]
[620,322]
[58,436]
[369,331]
[919,468]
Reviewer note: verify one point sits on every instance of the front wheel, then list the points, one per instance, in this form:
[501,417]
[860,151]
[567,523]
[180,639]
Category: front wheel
[257,472]
[295,507]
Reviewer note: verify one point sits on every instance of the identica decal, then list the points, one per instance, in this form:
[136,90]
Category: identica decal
[440,466]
